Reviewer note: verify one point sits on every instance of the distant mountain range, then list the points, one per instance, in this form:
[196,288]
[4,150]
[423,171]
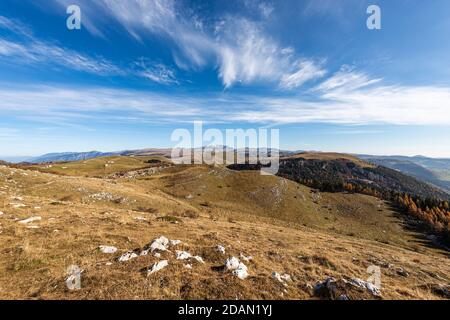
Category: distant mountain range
[69,156]
[431,170]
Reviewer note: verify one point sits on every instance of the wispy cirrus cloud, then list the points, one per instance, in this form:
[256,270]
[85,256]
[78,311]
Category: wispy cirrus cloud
[157,72]
[30,50]
[307,70]
[27,49]
[398,105]
[42,52]
[239,47]
[15,27]
[346,79]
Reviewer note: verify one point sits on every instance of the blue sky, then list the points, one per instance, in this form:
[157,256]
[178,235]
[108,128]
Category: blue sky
[137,70]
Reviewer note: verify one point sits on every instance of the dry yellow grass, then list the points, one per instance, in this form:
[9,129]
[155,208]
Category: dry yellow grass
[262,217]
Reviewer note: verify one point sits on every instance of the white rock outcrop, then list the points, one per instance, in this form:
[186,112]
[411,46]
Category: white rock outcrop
[232,263]
[366,285]
[161,244]
[158,266]
[241,272]
[127,256]
[236,267]
[183,255]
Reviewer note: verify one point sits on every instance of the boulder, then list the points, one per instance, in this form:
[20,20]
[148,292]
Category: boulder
[236,267]
[159,244]
[341,289]
[241,271]
[232,264]
[183,255]
[157,267]
[127,256]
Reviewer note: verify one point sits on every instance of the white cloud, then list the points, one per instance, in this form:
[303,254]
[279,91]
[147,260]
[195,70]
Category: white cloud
[156,72]
[42,52]
[247,55]
[307,70]
[345,80]
[398,105]
[15,26]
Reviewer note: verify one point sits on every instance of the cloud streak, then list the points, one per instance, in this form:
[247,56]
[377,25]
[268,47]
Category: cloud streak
[397,105]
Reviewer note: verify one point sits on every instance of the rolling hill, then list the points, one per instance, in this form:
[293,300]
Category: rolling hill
[271,224]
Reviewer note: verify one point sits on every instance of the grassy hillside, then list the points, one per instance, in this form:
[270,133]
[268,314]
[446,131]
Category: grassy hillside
[102,166]
[285,227]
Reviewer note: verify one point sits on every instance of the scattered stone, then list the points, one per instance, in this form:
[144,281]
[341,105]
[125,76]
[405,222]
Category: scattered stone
[127,256]
[1,213]
[281,278]
[245,258]
[159,244]
[199,259]
[241,272]
[188,266]
[183,255]
[108,249]
[221,249]
[236,267]
[232,263]
[33,227]
[105,196]
[32,219]
[158,266]
[175,242]
[353,289]
[157,255]
[367,285]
